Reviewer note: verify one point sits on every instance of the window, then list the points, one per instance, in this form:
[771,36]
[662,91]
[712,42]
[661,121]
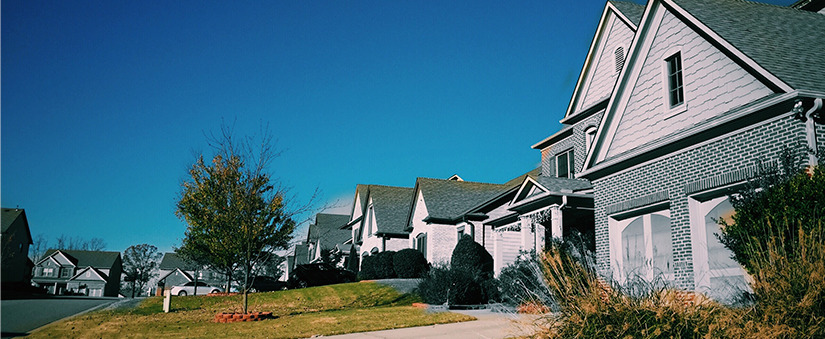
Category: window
[619,56]
[65,272]
[48,271]
[564,164]
[716,274]
[645,248]
[674,80]
[589,136]
[421,243]
[370,229]
[460,232]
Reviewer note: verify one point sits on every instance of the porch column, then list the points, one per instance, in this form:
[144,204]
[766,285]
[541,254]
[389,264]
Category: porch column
[527,240]
[498,254]
[539,237]
[555,221]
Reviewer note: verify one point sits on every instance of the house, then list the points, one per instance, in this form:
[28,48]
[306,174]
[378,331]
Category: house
[174,270]
[708,91]
[326,234]
[91,273]
[439,215]
[551,202]
[378,217]
[15,239]
[298,254]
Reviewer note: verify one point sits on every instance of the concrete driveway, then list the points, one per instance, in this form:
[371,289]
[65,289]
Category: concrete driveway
[19,317]
[489,325]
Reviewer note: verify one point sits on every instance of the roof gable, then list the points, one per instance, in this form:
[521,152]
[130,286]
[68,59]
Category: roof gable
[179,271]
[93,274]
[15,216]
[327,229]
[615,31]
[717,80]
[448,200]
[391,206]
[171,261]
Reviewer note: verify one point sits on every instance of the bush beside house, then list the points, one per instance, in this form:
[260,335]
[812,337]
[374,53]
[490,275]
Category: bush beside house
[409,263]
[467,281]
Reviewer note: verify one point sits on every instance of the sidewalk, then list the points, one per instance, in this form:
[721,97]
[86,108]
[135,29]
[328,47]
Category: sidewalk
[488,325]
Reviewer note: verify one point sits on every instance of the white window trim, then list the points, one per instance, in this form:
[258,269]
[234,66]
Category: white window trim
[570,163]
[670,112]
[701,266]
[588,141]
[616,226]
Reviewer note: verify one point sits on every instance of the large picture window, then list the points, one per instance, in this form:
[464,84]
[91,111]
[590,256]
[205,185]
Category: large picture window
[715,272]
[642,247]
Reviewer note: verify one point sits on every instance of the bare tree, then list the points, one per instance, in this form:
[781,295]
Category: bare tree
[139,265]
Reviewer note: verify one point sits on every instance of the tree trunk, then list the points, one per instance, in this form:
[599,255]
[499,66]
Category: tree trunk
[195,292]
[133,289]
[245,288]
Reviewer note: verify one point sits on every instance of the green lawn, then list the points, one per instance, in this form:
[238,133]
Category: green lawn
[325,310]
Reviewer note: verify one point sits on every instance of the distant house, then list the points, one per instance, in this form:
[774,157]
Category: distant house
[174,271]
[15,240]
[298,254]
[326,233]
[378,218]
[91,273]
[439,215]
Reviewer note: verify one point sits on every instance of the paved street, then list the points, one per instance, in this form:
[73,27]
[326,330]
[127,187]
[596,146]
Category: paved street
[18,317]
[489,325]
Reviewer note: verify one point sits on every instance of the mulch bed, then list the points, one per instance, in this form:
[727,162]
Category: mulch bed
[240,317]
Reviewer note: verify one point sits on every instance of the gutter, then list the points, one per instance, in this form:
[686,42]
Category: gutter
[810,118]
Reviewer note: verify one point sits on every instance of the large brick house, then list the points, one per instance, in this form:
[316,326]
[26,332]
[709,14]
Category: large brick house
[709,89]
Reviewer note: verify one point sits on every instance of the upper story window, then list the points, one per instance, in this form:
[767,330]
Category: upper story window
[675,84]
[370,228]
[589,136]
[564,164]
[65,272]
[619,58]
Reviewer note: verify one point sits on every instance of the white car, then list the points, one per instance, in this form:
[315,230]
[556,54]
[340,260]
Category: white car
[189,289]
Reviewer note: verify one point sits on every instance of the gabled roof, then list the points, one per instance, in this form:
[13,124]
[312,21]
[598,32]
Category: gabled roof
[361,192]
[563,185]
[327,229]
[182,272]
[391,206]
[628,13]
[10,215]
[172,261]
[96,259]
[448,200]
[772,43]
[785,41]
[96,272]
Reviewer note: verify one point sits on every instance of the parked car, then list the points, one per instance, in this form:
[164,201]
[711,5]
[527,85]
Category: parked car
[318,275]
[267,284]
[189,289]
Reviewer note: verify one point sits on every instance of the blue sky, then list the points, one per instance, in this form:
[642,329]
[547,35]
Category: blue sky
[105,103]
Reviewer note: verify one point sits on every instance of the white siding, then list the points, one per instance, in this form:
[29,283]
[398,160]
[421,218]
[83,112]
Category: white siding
[713,84]
[603,76]
[507,245]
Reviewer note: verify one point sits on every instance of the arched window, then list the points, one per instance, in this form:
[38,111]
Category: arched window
[421,243]
[619,56]
[589,136]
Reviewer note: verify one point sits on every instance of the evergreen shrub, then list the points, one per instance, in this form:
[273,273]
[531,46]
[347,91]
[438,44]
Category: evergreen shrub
[409,263]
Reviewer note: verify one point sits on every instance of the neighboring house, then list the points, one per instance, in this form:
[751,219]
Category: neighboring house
[15,241]
[174,271]
[709,90]
[439,215]
[378,218]
[326,233]
[92,273]
[298,254]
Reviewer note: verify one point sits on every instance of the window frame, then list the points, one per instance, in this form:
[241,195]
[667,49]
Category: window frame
[670,108]
[421,243]
[617,225]
[570,163]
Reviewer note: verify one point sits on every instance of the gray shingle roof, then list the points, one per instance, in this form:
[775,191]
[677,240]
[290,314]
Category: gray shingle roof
[327,229]
[8,217]
[172,261]
[785,41]
[631,10]
[519,179]
[96,259]
[558,185]
[391,206]
[447,199]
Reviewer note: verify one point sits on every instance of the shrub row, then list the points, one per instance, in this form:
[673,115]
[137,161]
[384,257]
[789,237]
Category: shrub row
[406,263]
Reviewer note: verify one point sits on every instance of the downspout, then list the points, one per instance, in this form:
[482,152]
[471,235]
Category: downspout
[809,118]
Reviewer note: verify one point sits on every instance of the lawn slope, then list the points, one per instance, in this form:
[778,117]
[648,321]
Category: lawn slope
[325,310]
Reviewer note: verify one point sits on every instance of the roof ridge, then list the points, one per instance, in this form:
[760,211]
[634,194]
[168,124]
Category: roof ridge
[465,181]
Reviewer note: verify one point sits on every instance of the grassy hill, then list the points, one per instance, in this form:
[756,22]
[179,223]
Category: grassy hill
[324,310]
